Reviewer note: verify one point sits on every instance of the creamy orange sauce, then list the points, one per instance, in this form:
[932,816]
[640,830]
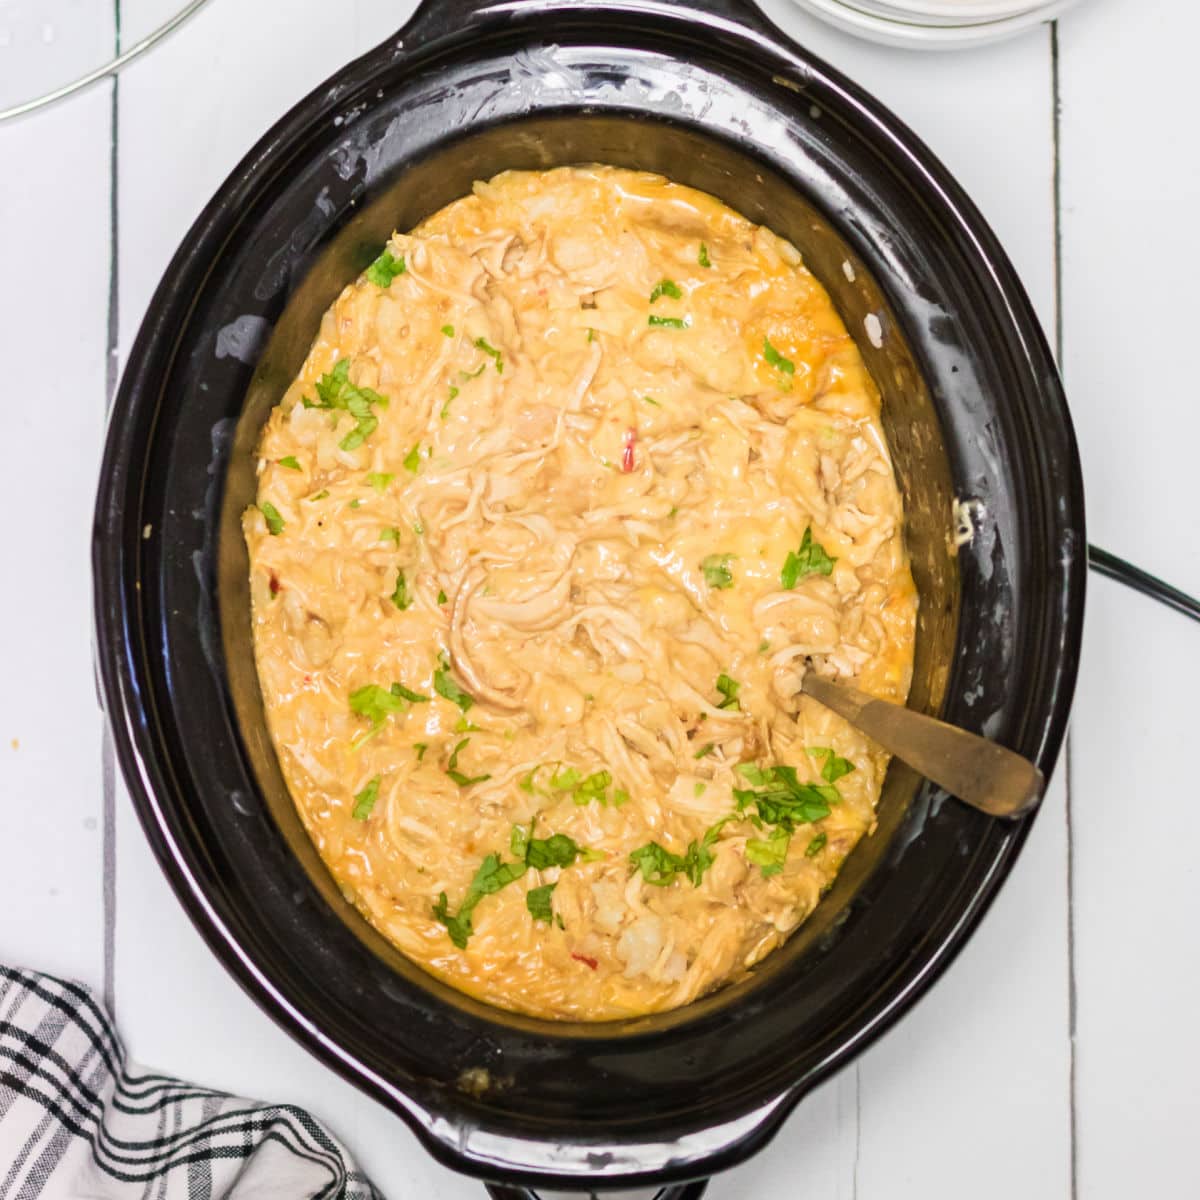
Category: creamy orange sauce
[599,476]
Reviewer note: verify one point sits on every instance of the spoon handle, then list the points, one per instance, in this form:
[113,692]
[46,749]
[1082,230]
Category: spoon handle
[981,773]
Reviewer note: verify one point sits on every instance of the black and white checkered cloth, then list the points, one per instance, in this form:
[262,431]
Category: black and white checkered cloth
[78,1122]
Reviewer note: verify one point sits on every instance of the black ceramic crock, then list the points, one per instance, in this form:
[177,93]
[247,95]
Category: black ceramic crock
[711,95]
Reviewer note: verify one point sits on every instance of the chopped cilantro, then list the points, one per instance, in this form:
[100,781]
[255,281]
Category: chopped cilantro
[420,748]
[335,391]
[769,853]
[291,462]
[364,801]
[321,495]
[455,774]
[398,689]
[493,874]
[659,866]
[400,597]
[810,559]
[385,268]
[446,407]
[389,533]
[777,360]
[779,798]
[376,704]
[379,480]
[651,400]
[815,846]
[441,597]
[729,688]
[704,751]
[448,330]
[479,370]
[446,686]
[668,322]
[666,287]
[558,850]
[702,258]
[492,353]
[537,901]
[412,460]
[716,571]
[354,504]
[834,766]
[591,335]
[271,516]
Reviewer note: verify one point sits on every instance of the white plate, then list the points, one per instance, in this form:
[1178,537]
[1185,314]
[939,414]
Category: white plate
[911,33]
[966,12]
[914,15]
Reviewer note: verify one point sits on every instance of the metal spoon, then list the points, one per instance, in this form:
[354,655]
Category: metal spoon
[980,773]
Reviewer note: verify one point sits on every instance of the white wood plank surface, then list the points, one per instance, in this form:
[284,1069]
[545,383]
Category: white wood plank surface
[972,1094]
[54,266]
[1131,251]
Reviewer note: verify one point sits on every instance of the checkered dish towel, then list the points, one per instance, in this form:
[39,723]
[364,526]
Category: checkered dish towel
[77,1120]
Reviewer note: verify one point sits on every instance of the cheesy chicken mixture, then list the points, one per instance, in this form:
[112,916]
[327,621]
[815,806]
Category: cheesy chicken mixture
[577,480]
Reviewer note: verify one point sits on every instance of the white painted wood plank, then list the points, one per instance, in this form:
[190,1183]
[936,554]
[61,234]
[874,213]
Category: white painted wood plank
[1131,248]
[54,251]
[987,1052]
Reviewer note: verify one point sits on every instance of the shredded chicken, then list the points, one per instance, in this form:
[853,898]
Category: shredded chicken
[576,482]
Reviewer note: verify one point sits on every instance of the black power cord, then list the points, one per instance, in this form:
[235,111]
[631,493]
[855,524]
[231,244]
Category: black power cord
[1112,567]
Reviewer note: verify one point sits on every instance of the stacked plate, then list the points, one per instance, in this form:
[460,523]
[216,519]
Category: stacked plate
[935,24]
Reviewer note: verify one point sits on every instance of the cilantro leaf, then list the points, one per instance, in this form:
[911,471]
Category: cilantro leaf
[412,460]
[558,850]
[729,688]
[398,689]
[448,330]
[379,480]
[385,268]
[529,852]
[716,571]
[658,865]
[455,774]
[271,516]
[441,596]
[364,801]
[375,703]
[668,322]
[777,360]
[815,846]
[390,534]
[666,287]
[420,748]
[400,597]
[446,686]
[335,391]
[704,751]
[834,766]
[810,559]
[458,927]
[769,853]
[703,258]
[483,344]
[537,901]
[779,798]
[291,462]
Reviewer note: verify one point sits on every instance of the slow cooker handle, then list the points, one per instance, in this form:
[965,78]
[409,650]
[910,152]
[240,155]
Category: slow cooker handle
[438,19]
[673,1191]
